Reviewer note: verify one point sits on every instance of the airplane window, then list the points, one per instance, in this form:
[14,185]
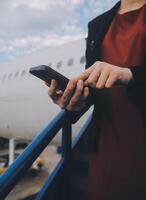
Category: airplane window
[16,74]
[23,73]
[70,62]
[82,60]
[4,77]
[10,76]
[59,64]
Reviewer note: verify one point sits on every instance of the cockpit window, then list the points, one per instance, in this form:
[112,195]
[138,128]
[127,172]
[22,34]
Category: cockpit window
[59,65]
[82,60]
[70,62]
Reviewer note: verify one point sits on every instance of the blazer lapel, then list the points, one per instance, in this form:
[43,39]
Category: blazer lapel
[102,28]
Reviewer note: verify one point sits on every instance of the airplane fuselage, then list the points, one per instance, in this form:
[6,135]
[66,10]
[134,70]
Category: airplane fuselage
[25,107]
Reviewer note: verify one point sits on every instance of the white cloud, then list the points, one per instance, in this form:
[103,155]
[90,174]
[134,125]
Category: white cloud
[76,2]
[27,45]
[27,26]
[39,4]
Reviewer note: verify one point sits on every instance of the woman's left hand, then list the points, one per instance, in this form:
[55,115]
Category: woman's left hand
[104,75]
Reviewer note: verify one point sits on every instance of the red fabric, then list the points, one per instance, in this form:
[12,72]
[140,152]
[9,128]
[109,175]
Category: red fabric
[118,170]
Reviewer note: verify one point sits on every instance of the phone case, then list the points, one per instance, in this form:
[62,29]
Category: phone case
[46,73]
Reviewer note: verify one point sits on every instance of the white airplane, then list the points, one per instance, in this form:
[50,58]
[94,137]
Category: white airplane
[25,108]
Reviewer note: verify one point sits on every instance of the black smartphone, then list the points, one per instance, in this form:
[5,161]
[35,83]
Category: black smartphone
[46,73]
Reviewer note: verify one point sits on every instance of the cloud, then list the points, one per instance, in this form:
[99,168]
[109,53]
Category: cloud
[27,26]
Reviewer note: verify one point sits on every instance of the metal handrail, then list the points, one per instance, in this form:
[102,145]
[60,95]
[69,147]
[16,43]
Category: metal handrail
[44,190]
[10,178]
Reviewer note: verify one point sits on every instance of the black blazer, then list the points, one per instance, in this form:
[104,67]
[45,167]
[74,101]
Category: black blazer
[97,29]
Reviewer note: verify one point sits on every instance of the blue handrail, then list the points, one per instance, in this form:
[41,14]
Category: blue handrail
[10,178]
[44,191]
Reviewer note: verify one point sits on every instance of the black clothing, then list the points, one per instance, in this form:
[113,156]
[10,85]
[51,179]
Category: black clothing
[97,29]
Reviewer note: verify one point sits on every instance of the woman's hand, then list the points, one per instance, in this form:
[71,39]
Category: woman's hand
[103,75]
[74,96]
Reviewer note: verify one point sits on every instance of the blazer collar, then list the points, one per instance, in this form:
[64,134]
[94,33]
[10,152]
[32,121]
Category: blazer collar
[101,27]
[108,17]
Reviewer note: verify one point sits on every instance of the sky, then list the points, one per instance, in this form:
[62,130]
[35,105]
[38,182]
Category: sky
[31,25]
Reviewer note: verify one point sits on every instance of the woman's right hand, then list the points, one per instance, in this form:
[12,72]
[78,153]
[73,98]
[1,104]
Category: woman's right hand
[74,96]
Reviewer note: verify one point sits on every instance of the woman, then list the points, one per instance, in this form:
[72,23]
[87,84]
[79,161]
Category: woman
[116,62]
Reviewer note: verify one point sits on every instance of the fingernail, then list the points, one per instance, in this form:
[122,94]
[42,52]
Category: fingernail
[59,92]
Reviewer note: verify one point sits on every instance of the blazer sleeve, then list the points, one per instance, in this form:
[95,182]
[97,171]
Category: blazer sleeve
[75,115]
[139,75]
[137,87]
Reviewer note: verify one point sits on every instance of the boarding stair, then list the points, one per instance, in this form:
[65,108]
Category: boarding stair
[69,180]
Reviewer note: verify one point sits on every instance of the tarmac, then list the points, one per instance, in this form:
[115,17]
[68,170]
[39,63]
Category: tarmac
[31,183]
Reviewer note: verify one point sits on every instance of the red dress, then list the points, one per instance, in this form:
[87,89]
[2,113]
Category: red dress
[117,171]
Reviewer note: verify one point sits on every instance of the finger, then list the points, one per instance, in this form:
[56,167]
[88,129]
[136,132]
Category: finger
[102,79]
[85,93]
[77,95]
[110,81]
[52,89]
[68,92]
[93,78]
[78,92]
[76,105]
[85,74]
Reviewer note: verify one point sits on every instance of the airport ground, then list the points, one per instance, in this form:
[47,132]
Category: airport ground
[31,182]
